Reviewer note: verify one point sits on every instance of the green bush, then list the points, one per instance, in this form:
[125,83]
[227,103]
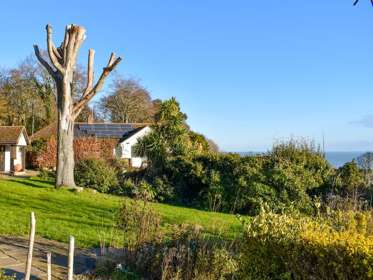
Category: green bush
[46,174]
[96,174]
[125,187]
[338,246]
[182,253]
[139,222]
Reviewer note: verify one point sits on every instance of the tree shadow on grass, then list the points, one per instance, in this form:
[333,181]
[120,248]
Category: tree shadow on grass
[44,181]
[30,183]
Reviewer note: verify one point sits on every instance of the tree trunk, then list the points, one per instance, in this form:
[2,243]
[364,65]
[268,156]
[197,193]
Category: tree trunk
[65,154]
[65,134]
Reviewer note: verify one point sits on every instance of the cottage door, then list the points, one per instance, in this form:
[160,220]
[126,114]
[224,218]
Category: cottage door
[2,158]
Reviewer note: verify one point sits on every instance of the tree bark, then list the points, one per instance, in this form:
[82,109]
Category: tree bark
[61,67]
[65,134]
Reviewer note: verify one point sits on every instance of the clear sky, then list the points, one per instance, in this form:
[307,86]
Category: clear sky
[247,73]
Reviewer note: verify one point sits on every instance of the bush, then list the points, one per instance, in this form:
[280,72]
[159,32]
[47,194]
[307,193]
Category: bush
[285,177]
[338,246]
[96,174]
[46,174]
[184,254]
[139,222]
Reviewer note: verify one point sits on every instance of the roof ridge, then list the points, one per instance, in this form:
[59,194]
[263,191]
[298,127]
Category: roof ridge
[111,123]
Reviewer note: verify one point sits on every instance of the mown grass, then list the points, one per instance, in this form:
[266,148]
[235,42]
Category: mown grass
[88,216]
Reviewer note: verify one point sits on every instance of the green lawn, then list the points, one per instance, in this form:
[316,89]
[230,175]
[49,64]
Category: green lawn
[87,216]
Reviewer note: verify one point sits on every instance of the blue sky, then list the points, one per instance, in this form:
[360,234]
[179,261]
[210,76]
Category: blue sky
[247,73]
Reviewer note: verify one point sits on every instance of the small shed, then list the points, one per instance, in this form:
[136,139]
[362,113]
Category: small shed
[13,143]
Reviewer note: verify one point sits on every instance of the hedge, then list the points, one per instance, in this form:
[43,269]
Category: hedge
[337,246]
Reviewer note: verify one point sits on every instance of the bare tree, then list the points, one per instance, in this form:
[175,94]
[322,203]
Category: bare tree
[129,102]
[62,67]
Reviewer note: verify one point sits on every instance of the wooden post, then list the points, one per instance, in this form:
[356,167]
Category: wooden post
[31,246]
[71,259]
[49,266]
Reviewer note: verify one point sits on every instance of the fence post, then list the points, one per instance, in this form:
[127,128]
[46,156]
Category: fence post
[49,266]
[71,259]
[31,246]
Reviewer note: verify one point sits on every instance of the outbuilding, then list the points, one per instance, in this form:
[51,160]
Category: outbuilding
[13,143]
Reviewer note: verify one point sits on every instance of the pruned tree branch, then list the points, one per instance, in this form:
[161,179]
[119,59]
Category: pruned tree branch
[51,49]
[75,39]
[43,62]
[112,63]
[90,71]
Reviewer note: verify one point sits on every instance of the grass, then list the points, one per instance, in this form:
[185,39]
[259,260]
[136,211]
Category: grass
[88,216]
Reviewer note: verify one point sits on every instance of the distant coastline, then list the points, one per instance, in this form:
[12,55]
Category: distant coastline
[337,159]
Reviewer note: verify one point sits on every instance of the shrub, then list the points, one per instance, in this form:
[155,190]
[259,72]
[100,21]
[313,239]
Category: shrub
[96,174]
[90,147]
[44,152]
[121,165]
[141,190]
[163,189]
[283,178]
[186,254]
[339,246]
[139,222]
[47,154]
[125,187]
[47,175]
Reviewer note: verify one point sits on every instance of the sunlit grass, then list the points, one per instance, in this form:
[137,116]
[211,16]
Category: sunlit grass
[86,215]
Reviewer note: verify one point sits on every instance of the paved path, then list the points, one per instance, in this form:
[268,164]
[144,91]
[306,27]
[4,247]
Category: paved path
[13,254]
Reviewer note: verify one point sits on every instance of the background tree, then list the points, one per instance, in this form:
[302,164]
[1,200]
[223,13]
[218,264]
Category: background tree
[129,102]
[169,136]
[349,182]
[365,163]
[62,68]
[27,96]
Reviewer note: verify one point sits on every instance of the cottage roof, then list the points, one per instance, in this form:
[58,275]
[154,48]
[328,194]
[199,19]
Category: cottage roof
[97,130]
[10,135]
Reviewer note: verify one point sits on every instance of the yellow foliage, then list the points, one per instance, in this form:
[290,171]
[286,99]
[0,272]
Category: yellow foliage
[337,246]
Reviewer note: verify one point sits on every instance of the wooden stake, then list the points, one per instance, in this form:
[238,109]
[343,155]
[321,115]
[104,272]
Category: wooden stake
[49,266]
[31,246]
[71,259]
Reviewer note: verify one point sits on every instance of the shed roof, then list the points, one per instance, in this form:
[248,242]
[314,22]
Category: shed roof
[10,135]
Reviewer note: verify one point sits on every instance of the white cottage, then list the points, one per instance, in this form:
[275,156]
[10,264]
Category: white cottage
[125,148]
[125,136]
[13,143]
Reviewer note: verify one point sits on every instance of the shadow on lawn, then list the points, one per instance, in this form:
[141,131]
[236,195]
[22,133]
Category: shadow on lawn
[32,183]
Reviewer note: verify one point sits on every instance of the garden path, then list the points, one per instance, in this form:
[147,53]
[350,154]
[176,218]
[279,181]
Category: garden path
[13,254]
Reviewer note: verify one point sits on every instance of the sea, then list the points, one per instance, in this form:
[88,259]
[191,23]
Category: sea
[336,159]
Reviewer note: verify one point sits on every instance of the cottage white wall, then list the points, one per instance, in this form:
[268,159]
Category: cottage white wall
[18,159]
[7,159]
[22,141]
[126,147]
